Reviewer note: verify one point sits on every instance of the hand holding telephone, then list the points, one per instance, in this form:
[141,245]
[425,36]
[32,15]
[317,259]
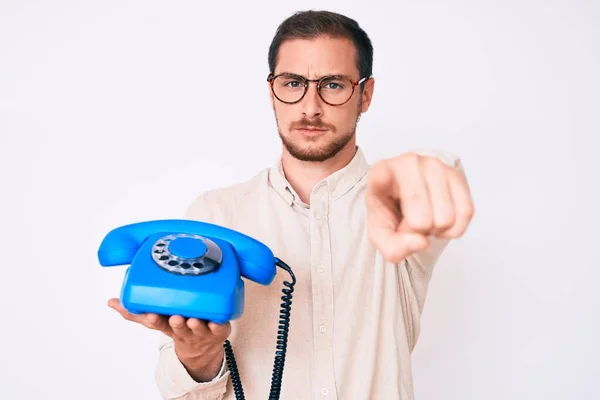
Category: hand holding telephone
[194,269]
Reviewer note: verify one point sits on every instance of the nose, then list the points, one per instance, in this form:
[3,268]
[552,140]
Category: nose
[312,106]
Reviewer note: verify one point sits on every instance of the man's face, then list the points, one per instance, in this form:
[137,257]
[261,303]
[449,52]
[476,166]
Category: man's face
[312,129]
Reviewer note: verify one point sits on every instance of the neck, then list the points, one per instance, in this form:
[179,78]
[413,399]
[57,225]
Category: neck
[304,175]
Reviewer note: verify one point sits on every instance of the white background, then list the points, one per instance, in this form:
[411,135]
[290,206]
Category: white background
[119,111]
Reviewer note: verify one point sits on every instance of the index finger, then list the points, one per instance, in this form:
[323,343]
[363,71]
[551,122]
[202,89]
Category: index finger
[381,181]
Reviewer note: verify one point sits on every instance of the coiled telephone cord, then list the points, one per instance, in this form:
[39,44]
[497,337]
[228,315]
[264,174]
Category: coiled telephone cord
[282,338]
[233,370]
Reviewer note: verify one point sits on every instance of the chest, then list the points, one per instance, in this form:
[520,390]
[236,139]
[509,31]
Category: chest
[326,246]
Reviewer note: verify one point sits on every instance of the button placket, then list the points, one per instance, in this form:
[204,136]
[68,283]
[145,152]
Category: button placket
[322,289]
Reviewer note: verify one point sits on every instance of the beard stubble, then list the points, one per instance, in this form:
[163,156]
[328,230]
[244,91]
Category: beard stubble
[315,153]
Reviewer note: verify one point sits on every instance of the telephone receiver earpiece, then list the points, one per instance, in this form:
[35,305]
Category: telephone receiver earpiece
[120,246]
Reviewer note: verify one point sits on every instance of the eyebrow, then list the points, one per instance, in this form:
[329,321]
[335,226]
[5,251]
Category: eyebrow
[322,76]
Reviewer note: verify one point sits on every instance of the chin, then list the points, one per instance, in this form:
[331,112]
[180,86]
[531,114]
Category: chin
[314,149]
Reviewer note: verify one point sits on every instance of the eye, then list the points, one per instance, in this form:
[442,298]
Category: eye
[293,84]
[333,84]
[288,82]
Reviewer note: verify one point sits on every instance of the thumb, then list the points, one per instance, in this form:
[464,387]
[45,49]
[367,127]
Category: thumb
[397,246]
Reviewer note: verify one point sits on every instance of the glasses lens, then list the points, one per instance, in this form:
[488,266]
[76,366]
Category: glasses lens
[336,90]
[288,88]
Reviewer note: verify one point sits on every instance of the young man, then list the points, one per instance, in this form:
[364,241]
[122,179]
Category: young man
[362,241]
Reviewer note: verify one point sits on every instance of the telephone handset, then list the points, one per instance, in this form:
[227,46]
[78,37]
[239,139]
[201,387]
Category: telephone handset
[194,269]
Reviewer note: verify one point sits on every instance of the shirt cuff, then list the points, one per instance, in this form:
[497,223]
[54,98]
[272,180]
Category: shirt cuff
[174,380]
[222,370]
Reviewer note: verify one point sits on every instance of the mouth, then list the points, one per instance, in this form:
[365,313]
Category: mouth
[311,131]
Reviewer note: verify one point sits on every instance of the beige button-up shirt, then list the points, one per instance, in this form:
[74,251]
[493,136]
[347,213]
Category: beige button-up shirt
[354,317]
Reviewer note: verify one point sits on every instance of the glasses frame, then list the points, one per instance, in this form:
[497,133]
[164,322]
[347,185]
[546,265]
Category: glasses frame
[271,78]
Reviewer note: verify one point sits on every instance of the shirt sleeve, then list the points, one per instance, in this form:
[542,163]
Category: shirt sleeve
[420,265]
[417,269]
[174,382]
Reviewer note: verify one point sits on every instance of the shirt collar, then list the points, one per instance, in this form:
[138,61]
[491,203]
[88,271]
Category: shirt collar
[338,183]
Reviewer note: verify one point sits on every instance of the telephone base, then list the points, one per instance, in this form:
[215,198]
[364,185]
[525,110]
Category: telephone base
[216,318]
[216,295]
[215,307]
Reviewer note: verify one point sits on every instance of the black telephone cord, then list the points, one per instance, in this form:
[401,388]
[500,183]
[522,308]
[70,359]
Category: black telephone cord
[282,337]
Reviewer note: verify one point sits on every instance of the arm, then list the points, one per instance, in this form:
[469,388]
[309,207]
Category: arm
[420,265]
[416,203]
[417,269]
[414,277]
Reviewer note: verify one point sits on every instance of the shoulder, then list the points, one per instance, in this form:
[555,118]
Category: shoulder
[212,204]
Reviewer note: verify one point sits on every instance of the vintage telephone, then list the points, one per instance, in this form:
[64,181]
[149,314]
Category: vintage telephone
[194,269]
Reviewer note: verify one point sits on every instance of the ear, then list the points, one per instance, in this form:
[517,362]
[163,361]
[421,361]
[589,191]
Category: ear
[367,95]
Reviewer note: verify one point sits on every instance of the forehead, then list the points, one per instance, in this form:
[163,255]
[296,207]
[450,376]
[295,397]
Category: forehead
[317,57]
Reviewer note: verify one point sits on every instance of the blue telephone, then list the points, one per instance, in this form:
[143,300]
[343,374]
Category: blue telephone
[194,269]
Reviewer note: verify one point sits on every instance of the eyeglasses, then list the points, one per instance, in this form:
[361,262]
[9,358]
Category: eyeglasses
[333,90]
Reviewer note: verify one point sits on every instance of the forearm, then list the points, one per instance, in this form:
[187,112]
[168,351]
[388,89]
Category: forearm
[202,368]
[176,383]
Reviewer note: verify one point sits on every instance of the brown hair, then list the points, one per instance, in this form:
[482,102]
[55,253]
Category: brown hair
[312,24]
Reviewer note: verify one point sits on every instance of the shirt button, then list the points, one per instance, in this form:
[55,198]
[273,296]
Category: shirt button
[320,268]
[322,329]
[324,392]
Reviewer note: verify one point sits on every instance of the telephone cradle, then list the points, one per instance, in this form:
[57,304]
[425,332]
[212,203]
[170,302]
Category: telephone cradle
[194,269]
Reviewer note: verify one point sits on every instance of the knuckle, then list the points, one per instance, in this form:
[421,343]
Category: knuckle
[456,232]
[419,221]
[193,323]
[176,322]
[445,220]
[225,332]
[434,162]
[466,211]
[409,158]
[150,324]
